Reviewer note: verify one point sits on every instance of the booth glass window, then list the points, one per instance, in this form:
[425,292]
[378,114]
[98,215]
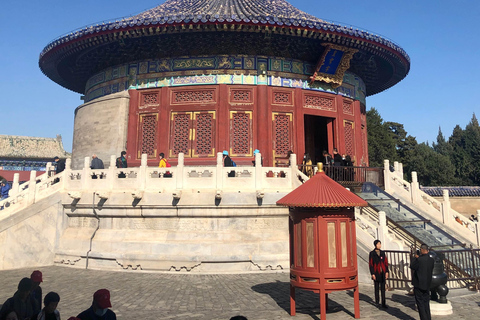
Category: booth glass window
[310,245]
[332,247]
[343,240]
[298,243]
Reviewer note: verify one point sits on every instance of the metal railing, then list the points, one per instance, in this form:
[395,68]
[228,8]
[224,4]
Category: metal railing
[351,176]
[462,267]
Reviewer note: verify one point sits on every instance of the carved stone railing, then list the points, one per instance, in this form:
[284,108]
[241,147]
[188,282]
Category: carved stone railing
[137,180]
[439,211]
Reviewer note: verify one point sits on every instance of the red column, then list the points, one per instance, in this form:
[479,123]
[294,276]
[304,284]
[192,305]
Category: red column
[163,137]
[132,127]
[339,142]
[223,119]
[298,125]
[263,135]
[358,133]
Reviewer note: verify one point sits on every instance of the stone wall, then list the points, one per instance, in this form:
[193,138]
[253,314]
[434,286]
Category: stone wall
[100,127]
[29,238]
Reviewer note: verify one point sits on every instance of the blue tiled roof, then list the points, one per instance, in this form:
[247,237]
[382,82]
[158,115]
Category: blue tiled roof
[452,191]
[263,12]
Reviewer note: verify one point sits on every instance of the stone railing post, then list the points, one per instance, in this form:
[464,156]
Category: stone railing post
[86,174]
[414,188]
[476,229]
[111,175]
[15,184]
[142,173]
[395,166]
[180,171]
[219,171]
[32,187]
[387,175]
[382,226]
[446,215]
[400,169]
[48,166]
[293,167]
[258,172]
[66,173]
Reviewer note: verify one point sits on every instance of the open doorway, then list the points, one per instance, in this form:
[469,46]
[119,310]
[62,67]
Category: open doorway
[316,136]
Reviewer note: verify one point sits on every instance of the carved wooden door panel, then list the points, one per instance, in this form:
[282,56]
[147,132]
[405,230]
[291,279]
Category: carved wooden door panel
[180,134]
[147,135]
[282,136]
[241,133]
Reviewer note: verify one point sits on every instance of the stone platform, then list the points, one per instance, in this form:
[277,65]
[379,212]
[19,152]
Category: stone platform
[258,296]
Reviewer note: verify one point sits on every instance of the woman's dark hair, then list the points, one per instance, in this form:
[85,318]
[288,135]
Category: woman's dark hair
[51,297]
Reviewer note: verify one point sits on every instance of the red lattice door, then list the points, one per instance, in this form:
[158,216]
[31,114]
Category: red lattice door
[282,135]
[203,134]
[147,135]
[241,134]
[180,134]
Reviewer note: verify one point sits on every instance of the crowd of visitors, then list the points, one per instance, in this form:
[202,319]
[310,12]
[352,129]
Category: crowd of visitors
[26,303]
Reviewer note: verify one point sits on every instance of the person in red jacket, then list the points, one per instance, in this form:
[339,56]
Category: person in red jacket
[379,270]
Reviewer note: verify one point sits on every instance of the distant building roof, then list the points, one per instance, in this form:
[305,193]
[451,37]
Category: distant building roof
[31,147]
[452,191]
[321,191]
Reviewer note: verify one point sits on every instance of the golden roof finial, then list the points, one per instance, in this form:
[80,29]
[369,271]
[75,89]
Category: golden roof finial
[320,166]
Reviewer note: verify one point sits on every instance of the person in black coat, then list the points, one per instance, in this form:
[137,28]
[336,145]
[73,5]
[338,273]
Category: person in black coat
[422,267]
[378,264]
[227,162]
[59,165]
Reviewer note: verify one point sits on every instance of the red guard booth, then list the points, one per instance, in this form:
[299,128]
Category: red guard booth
[323,244]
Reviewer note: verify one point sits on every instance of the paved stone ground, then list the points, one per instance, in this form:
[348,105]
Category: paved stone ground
[261,296]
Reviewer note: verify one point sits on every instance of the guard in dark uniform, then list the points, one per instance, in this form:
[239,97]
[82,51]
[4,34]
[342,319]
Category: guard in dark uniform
[422,267]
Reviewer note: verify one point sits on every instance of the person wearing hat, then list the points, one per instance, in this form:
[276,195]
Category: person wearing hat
[261,159]
[378,264]
[4,189]
[49,312]
[20,303]
[36,292]
[100,307]
[227,162]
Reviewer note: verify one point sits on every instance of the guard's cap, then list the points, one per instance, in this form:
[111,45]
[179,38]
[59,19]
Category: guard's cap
[102,298]
[36,276]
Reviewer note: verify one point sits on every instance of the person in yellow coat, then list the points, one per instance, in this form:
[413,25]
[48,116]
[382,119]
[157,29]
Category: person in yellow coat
[164,164]
[307,167]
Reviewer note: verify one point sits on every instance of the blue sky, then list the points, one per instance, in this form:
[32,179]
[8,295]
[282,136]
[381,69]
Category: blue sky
[439,36]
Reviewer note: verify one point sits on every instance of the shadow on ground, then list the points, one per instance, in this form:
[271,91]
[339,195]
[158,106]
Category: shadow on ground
[307,302]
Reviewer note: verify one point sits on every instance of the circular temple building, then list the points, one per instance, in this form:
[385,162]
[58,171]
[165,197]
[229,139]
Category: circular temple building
[201,76]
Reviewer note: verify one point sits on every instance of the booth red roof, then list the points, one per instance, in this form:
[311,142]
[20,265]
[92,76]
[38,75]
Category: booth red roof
[321,191]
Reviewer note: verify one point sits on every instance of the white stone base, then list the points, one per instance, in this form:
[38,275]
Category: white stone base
[440,309]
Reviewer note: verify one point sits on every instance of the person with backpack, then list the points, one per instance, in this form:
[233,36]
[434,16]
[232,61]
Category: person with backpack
[122,163]
[165,164]
[228,162]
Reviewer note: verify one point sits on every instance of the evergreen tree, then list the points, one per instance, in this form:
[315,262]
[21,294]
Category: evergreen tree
[472,149]
[380,143]
[442,146]
[433,168]
[459,157]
